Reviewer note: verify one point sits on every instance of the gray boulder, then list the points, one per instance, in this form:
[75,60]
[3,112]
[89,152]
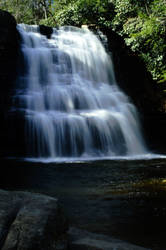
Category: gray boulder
[31,222]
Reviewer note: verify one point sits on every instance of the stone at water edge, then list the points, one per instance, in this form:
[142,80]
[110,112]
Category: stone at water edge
[31,222]
[84,240]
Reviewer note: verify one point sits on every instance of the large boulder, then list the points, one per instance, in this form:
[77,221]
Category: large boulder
[31,222]
[46,31]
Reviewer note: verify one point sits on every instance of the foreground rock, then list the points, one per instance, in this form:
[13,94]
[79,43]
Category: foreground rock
[31,222]
[84,240]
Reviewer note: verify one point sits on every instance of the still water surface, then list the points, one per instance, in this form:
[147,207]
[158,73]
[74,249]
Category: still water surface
[122,198]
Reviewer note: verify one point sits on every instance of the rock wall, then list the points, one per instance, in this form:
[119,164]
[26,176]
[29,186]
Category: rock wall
[9,40]
[131,74]
[133,78]
[12,141]
[9,43]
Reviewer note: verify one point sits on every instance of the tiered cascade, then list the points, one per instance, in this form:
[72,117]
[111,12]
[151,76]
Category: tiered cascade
[71,102]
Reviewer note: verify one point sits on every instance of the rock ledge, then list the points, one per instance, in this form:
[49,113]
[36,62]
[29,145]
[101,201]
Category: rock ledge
[31,222]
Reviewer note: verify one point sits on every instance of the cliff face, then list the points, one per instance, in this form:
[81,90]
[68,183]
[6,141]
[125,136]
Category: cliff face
[12,124]
[8,50]
[133,78]
[9,41]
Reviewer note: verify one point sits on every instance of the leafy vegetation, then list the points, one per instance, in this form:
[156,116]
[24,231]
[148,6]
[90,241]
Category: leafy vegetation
[143,26]
[142,23]
[27,11]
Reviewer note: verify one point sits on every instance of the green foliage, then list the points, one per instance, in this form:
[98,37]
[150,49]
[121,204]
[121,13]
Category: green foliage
[163,76]
[142,23]
[145,34]
[81,12]
[69,15]
[27,11]
[20,9]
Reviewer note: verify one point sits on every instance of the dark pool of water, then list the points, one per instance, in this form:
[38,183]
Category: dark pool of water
[125,199]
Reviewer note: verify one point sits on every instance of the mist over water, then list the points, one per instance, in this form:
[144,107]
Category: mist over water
[72,105]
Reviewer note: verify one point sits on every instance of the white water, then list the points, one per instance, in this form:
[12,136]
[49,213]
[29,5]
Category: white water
[72,104]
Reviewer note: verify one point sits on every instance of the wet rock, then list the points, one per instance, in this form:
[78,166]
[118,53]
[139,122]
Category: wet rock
[84,240]
[6,19]
[9,50]
[31,222]
[9,44]
[46,31]
[132,75]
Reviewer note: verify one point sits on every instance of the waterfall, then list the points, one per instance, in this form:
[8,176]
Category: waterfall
[68,94]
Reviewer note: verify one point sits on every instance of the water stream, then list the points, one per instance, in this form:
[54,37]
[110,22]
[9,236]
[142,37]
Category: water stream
[72,104]
[74,112]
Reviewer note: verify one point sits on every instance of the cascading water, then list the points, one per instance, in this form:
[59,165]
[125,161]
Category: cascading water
[72,104]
